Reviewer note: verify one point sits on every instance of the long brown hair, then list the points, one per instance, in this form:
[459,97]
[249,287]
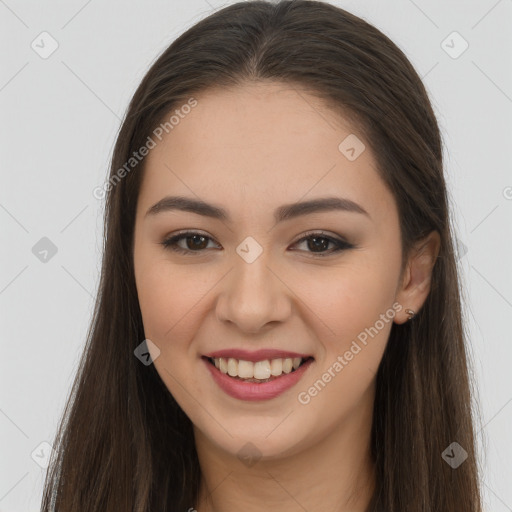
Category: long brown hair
[123,442]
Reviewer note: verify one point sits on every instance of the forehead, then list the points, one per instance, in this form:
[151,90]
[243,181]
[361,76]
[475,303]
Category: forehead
[262,144]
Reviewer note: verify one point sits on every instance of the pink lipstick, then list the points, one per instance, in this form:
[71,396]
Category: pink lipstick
[252,391]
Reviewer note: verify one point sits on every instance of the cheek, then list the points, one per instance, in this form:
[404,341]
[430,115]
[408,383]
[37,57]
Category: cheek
[351,299]
[168,299]
[359,316]
[355,315]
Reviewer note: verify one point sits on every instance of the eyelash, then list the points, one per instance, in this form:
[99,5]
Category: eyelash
[340,245]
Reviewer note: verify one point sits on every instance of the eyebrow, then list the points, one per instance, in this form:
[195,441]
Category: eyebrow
[284,212]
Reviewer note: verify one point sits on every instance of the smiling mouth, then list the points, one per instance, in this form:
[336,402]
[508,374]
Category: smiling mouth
[259,372]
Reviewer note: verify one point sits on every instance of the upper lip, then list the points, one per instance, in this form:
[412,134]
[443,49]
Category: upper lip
[254,356]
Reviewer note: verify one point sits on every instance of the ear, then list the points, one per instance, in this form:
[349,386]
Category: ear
[415,285]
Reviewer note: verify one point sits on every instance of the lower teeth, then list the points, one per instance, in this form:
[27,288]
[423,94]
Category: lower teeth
[255,380]
[258,381]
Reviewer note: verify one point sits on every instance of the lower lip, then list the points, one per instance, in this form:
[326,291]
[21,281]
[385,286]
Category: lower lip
[252,390]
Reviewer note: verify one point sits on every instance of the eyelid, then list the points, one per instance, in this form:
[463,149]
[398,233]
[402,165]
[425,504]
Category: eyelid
[189,232]
[320,233]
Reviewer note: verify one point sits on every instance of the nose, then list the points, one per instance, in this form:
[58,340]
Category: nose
[253,295]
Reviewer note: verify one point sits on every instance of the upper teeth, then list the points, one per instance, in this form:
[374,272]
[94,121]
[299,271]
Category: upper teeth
[259,370]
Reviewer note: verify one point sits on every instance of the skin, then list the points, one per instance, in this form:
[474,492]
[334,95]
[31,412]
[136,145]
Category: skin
[251,149]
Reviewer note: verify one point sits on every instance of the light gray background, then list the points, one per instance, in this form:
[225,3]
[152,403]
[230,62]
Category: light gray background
[59,118]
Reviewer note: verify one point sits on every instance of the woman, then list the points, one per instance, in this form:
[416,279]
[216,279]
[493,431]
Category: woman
[278,322]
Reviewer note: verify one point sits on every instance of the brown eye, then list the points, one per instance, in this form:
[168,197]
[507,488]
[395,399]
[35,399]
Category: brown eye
[318,243]
[194,242]
[197,242]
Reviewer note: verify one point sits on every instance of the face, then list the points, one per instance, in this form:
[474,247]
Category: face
[314,282]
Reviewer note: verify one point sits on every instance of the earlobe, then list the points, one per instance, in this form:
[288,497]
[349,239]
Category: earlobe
[411,313]
[418,276]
